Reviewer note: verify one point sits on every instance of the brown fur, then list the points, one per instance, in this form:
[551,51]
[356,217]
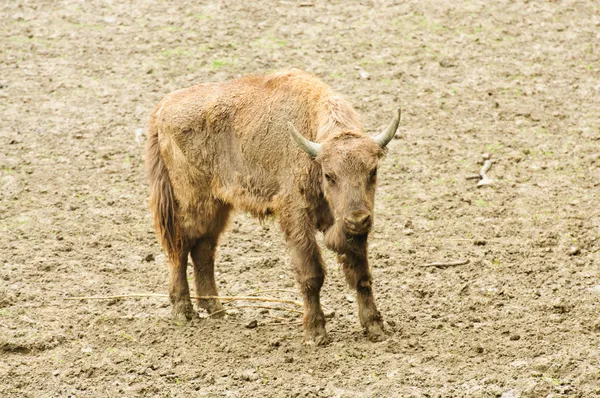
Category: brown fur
[217,147]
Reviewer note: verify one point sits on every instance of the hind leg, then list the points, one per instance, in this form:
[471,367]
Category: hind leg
[203,258]
[179,291]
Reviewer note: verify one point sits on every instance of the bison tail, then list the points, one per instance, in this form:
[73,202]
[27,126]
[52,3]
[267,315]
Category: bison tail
[162,201]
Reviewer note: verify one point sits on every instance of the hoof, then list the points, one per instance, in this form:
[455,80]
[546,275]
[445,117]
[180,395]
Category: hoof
[211,306]
[375,332]
[184,313]
[317,337]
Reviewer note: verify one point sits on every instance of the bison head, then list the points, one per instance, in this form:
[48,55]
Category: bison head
[349,161]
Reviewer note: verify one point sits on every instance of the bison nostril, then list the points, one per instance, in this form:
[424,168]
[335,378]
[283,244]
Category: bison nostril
[363,220]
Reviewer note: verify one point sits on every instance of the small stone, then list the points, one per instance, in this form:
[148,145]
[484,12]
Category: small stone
[350,298]
[510,394]
[249,375]
[408,231]
[574,251]
[480,242]
[149,257]
[364,75]
[252,325]
[526,151]
[447,63]
[485,156]
[478,349]
[139,135]
[515,337]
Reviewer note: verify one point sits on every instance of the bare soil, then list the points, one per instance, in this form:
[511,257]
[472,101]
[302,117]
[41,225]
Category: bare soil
[519,80]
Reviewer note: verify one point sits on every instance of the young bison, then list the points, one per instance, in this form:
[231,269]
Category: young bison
[282,144]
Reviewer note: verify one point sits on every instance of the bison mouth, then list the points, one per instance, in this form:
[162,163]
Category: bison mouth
[338,240]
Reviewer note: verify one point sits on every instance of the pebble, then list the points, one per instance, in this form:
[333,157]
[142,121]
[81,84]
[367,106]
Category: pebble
[364,75]
[249,375]
[574,251]
[510,394]
[252,325]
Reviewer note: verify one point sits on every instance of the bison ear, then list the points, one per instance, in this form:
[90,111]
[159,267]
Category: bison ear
[312,148]
[384,138]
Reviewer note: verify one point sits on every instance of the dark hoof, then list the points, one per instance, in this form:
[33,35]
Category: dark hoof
[184,313]
[375,332]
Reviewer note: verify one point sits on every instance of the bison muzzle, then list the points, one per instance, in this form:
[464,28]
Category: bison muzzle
[282,144]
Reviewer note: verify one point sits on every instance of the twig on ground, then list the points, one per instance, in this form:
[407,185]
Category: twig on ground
[224,298]
[248,298]
[274,290]
[122,296]
[485,180]
[255,306]
[482,176]
[446,264]
[280,324]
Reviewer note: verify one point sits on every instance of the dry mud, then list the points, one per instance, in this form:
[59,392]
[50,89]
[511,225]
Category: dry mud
[517,79]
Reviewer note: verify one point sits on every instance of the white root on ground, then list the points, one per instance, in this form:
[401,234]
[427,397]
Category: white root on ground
[446,264]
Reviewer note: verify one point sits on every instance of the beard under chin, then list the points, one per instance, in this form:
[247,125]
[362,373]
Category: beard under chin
[337,240]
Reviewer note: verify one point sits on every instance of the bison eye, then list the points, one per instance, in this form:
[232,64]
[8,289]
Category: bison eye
[330,178]
[373,174]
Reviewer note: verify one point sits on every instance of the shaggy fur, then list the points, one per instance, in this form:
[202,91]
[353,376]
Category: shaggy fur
[217,147]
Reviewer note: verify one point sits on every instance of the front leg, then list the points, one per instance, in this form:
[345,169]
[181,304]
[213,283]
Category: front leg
[358,275]
[310,274]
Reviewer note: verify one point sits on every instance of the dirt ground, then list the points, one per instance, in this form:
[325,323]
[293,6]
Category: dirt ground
[517,79]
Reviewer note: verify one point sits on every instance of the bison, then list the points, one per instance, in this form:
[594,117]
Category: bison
[283,144]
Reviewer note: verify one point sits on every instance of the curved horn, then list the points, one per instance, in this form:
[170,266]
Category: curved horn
[382,139]
[312,148]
